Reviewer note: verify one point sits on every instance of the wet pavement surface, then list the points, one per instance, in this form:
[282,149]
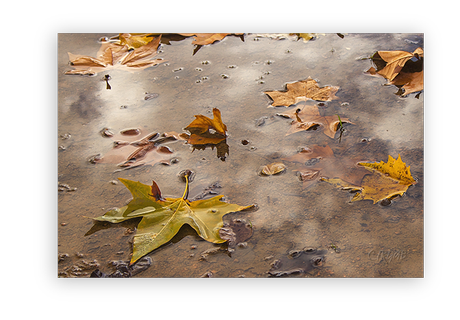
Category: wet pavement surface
[349,239]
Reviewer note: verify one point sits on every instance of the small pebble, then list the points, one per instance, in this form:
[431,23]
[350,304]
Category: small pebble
[63,224]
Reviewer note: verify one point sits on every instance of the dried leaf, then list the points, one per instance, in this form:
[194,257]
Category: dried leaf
[207,131]
[273,168]
[202,39]
[399,69]
[302,91]
[135,40]
[386,181]
[116,56]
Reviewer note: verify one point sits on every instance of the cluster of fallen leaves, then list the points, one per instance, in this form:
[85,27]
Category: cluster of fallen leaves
[386,180]
[318,163]
[163,217]
[132,51]
[124,55]
[130,151]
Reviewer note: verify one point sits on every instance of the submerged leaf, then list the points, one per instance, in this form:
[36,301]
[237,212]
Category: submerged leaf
[133,152]
[162,218]
[308,116]
[318,162]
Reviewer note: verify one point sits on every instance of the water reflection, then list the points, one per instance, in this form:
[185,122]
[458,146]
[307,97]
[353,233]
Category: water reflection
[86,106]
[290,217]
[222,148]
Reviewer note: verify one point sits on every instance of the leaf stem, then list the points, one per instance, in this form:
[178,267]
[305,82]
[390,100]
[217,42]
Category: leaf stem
[185,195]
[340,120]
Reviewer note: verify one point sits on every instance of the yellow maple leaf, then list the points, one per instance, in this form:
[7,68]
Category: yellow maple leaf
[395,168]
[386,181]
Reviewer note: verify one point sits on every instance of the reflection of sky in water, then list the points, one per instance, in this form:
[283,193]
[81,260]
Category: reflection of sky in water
[292,216]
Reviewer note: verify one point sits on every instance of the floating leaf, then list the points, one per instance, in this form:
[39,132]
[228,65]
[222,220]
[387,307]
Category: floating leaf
[302,91]
[162,218]
[135,40]
[273,168]
[386,181]
[208,132]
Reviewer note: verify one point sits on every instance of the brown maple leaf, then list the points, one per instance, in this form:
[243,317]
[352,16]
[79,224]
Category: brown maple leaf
[308,116]
[202,39]
[400,69]
[302,91]
[206,132]
[116,56]
[316,162]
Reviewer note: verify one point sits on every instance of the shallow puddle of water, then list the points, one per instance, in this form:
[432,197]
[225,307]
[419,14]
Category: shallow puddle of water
[358,239]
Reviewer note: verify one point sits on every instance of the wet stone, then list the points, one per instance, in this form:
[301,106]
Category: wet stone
[311,162]
[130,132]
[94,158]
[236,232]
[62,187]
[297,262]
[123,269]
[187,172]
[107,133]
[150,96]
[208,274]
[208,191]
[261,121]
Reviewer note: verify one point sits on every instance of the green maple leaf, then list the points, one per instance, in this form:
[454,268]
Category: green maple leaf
[162,218]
